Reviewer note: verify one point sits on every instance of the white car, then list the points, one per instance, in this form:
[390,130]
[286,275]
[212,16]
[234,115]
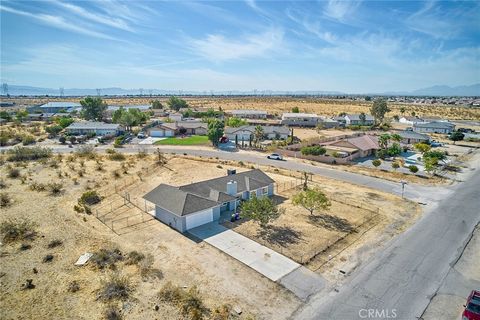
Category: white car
[275,156]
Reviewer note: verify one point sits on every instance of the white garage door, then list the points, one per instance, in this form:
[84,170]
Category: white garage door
[197,219]
[156,133]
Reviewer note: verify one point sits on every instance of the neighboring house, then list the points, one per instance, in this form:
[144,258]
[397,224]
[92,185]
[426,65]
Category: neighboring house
[300,119]
[175,116]
[328,123]
[411,137]
[243,133]
[434,127]
[410,120]
[249,114]
[356,120]
[357,147]
[174,128]
[193,205]
[98,128]
[55,107]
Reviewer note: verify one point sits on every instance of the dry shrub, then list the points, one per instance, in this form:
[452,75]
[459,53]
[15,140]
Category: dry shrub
[5,200]
[115,156]
[13,173]
[106,258]
[56,188]
[112,313]
[146,270]
[73,286]
[3,184]
[223,312]
[115,288]
[188,301]
[134,257]
[54,243]
[17,229]
[90,197]
[37,186]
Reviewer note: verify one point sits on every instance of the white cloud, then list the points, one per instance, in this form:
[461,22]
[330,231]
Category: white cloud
[103,19]
[313,27]
[340,10]
[57,22]
[216,47]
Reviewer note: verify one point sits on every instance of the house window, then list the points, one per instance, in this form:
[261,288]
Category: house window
[265,191]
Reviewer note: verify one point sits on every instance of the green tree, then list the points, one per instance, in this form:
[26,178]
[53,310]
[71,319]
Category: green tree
[383,141]
[188,113]
[379,109]
[5,115]
[262,210]
[258,134]
[396,137]
[456,136]
[394,150]
[368,98]
[402,110]
[53,130]
[62,140]
[295,110]
[93,108]
[311,199]
[235,122]
[422,147]
[156,104]
[64,121]
[215,131]
[362,117]
[20,115]
[313,150]
[376,163]
[176,104]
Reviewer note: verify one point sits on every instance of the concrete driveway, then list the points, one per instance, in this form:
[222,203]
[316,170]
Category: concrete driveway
[260,258]
[299,280]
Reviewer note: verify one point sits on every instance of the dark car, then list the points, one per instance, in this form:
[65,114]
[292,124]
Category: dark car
[472,307]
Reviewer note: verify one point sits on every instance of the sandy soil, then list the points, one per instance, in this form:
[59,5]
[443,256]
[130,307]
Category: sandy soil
[219,278]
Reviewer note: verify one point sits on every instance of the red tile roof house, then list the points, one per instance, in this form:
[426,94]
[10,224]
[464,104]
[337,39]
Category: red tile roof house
[356,147]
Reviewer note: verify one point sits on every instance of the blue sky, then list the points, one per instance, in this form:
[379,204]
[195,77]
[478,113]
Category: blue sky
[350,46]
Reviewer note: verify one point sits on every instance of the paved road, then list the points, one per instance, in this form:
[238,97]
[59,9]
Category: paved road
[402,279]
[414,192]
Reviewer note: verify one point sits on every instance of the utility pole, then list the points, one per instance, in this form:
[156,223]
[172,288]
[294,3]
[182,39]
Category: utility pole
[403,186]
[99,91]
[5,88]
[62,92]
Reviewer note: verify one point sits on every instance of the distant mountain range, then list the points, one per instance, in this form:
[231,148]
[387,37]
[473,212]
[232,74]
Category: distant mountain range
[15,90]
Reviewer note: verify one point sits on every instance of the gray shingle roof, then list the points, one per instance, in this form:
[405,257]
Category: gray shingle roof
[202,195]
[357,117]
[266,129]
[413,135]
[441,125]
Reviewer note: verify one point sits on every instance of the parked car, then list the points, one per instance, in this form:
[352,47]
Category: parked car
[275,156]
[472,307]
[435,144]
[141,135]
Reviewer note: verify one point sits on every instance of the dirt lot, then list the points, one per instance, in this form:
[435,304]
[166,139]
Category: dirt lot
[220,279]
[326,240]
[278,105]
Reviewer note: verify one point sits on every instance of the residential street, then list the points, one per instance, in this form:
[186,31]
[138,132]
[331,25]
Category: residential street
[399,281]
[413,192]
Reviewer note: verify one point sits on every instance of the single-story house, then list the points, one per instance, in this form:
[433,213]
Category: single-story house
[175,116]
[410,120]
[357,147]
[434,127]
[55,107]
[99,128]
[300,119]
[249,114]
[193,205]
[243,133]
[170,129]
[411,137]
[328,123]
[356,119]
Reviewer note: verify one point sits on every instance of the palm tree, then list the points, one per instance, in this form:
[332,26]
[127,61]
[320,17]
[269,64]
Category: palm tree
[258,134]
